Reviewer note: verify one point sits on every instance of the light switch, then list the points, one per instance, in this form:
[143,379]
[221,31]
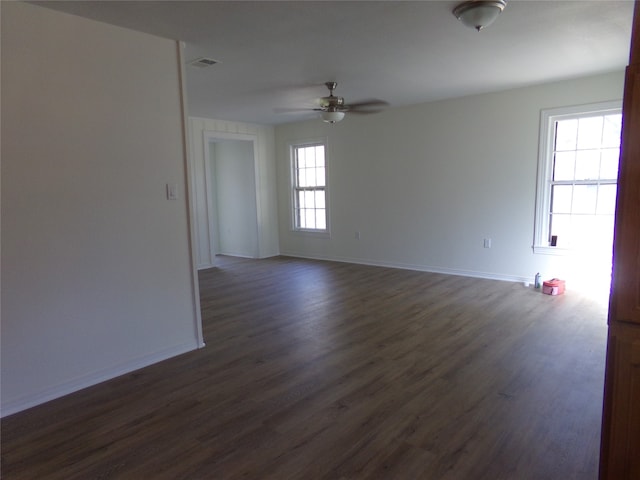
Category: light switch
[172,191]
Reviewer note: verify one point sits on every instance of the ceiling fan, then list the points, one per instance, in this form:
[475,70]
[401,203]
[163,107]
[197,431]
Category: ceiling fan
[332,108]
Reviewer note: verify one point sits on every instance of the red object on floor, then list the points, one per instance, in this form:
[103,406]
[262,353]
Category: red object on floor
[555,286]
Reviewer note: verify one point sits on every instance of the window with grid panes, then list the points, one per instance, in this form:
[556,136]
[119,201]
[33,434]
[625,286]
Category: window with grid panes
[577,178]
[309,187]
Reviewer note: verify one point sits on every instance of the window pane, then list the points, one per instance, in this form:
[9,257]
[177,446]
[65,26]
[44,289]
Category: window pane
[309,199]
[561,227]
[583,230]
[320,177]
[564,165]
[587,164]
[321,220]
[320,156]
[302,159]
[566,134]
[609,163]
[311,177]
[606,199]
[584,199]
[611,131]
[309,209]
[309,219]
[311,157]
[561,198]
[300,218]
[302,177]
[590,132]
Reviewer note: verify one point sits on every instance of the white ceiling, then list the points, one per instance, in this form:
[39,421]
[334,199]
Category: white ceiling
[277,55]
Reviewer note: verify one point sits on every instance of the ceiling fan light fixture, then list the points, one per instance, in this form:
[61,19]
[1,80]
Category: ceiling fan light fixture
[331,116]
[479,14]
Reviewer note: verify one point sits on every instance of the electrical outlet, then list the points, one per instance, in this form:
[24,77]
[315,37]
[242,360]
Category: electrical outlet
[487,243]
[357,235]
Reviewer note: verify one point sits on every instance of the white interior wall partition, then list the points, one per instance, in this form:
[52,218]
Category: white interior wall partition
[97,273]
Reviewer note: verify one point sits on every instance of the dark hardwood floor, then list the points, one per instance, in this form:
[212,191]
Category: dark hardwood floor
[321,370]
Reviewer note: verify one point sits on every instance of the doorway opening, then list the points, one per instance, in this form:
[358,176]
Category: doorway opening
[230,184]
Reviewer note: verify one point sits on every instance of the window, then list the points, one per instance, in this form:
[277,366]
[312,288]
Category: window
[309,187]
[577,178]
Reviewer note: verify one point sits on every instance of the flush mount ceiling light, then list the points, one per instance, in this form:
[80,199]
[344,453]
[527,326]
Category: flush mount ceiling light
[479,14]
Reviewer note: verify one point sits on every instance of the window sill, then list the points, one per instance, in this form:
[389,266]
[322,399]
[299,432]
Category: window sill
[312,233]
[547,250]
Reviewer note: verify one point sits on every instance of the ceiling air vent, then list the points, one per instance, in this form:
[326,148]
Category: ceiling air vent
[203,62]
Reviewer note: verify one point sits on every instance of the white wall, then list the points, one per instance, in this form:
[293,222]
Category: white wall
[424,185]
[266,198]
[233,176]
[97,276]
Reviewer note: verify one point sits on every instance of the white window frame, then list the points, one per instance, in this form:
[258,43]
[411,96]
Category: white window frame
[292,175]
[548,117]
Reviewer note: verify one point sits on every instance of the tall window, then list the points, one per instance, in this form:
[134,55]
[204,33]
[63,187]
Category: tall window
[577,178]
[309,187]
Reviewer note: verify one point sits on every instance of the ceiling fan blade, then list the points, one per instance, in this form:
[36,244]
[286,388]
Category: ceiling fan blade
[294,110]
[367,106]
[333,103]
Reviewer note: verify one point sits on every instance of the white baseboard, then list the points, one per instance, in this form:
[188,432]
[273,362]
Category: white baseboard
[419,268]
[28,401]
[205,266]
[237,254]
